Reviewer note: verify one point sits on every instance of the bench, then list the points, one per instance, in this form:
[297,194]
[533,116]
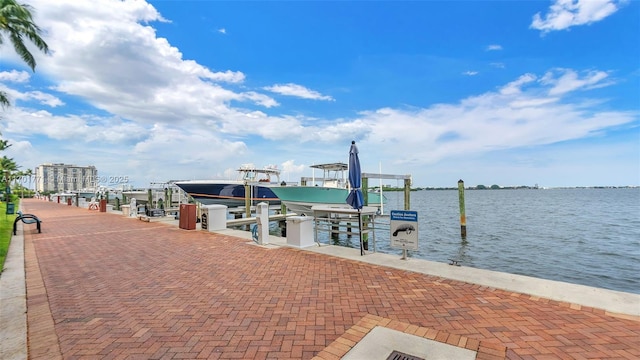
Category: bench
[27,219]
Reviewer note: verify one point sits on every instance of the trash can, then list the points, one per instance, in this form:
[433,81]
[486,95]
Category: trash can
[103,205]
[187,217]
[69,201]
[300,231]
[11,208]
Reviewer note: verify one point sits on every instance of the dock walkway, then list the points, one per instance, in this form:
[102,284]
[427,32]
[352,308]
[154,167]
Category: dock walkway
[104,286]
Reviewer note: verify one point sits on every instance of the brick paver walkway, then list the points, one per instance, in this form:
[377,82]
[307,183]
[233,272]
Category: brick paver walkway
[118,288]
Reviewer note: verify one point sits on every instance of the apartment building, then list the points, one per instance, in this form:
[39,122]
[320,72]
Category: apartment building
[65,177]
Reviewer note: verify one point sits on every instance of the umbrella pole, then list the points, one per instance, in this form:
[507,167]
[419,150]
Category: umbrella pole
[360,232]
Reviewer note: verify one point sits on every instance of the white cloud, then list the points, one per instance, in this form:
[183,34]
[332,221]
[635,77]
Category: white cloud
[107,56]
[38,96]
[222,31]
[487,122]
[564,14]
[81,129]
[44,98]
[470,73]
[514,86]
[291,167]
[493,47]
[567,80]
[14,76]
[260,99]
[297,91]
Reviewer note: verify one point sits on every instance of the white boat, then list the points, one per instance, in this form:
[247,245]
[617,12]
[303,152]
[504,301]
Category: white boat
[232,192]
[329,190]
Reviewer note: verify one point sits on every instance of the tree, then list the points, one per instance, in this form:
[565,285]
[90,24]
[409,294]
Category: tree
[8,167]
[16,23]
[28,173]
[4,144]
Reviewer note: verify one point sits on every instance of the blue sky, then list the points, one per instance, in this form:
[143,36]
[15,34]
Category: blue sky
[492,92]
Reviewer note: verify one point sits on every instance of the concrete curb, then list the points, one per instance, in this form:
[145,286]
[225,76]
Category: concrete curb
[13,302]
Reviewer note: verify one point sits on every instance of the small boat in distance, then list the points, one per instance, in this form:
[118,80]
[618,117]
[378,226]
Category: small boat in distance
[332,190]
[232,192]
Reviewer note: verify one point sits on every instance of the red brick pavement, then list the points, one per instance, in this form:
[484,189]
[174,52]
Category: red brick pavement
[118,288]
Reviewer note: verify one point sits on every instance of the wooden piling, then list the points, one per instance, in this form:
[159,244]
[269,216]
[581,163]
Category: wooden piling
[335,231]
[247,200]
[407,194]
[463,219]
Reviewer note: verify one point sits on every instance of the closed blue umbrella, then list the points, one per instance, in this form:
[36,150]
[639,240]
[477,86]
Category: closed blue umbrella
[355,197]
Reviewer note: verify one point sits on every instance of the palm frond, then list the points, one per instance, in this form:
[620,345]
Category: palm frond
[16,21]
[4,100]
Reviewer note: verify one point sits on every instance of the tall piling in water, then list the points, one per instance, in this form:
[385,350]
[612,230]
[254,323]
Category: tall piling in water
[407,194]
[247,200]
[463,218]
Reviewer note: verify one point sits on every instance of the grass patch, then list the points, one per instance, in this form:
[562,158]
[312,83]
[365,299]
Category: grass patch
[6,230]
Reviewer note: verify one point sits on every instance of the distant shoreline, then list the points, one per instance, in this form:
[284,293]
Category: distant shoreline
[497,187]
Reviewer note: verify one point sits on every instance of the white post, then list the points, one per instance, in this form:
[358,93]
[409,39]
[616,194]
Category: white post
[262,221]
[133,207]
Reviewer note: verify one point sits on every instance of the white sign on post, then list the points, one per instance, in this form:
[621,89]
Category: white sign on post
[404,229]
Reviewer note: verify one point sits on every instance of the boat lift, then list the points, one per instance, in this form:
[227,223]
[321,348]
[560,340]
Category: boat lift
[407,186]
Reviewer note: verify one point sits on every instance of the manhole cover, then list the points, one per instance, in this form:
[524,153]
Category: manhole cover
[397,355]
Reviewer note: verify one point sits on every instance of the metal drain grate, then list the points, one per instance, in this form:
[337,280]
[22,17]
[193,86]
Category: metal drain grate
[397,355]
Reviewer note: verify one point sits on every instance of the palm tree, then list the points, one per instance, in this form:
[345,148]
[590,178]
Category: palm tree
[4,100]
[16,23]
[18,179]
[4,144]
[8,167]
[28,173]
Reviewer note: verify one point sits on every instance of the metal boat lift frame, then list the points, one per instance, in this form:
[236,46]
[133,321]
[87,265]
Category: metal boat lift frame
[407,185]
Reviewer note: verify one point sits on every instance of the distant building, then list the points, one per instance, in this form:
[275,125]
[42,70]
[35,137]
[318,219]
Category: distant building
[64,177]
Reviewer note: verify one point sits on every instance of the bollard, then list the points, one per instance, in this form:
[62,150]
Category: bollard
[262,222]
[463,219]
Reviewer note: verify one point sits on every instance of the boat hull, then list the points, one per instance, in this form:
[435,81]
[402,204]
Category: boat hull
[301,199]
[225,193]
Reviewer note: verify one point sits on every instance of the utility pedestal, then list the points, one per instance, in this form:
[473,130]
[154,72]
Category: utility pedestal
[213,218]
[300,231]
[262,221]
[125,210]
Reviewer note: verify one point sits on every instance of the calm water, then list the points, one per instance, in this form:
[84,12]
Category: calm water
[581,236]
